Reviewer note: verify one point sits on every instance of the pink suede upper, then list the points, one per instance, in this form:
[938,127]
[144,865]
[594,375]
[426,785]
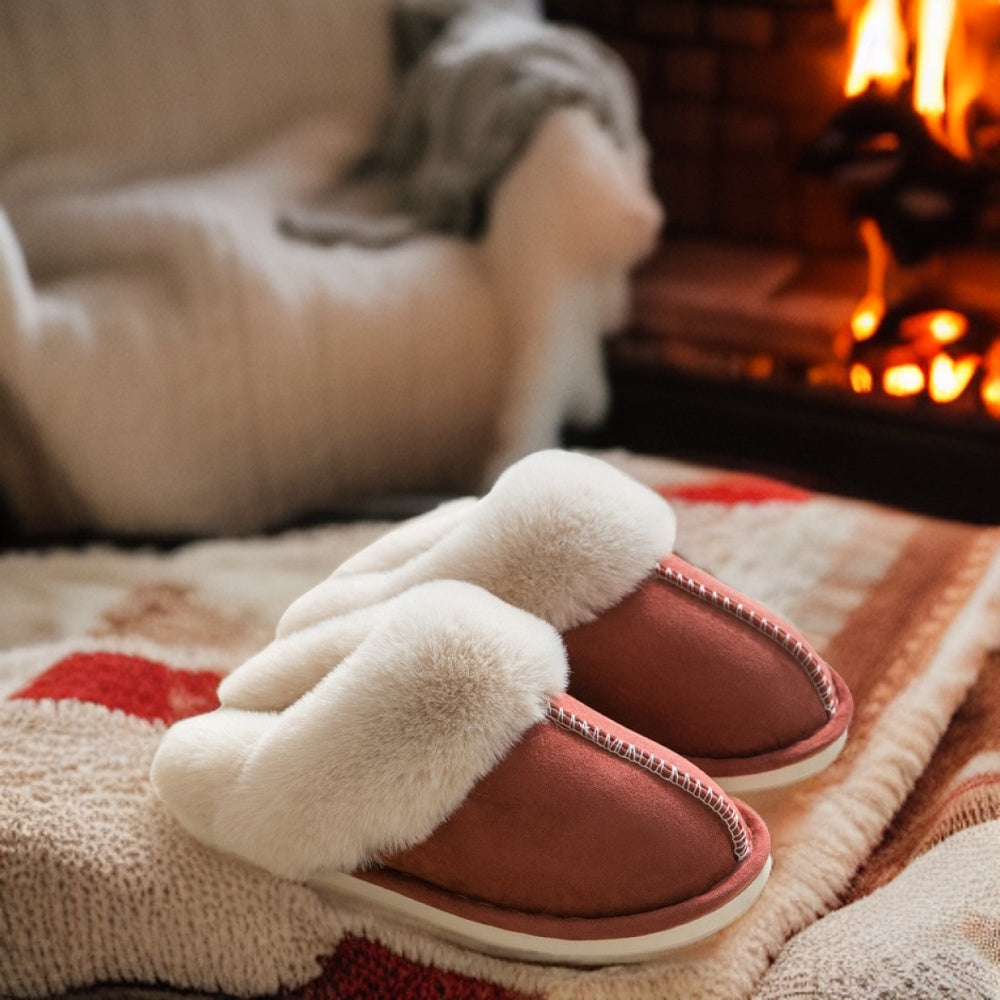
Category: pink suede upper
[567,828]
[702,669]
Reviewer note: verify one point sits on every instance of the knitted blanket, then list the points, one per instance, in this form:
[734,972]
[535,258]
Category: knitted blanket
[103,648]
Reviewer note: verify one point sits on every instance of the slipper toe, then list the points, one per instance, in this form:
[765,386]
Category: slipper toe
[714,675]
[586,845]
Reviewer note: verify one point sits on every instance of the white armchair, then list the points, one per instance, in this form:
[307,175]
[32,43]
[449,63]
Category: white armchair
[171,362]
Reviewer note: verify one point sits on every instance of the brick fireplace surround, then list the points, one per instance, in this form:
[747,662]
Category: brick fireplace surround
[761,265]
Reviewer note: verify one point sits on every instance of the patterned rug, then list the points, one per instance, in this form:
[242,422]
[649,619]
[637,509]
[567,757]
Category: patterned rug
[102,648]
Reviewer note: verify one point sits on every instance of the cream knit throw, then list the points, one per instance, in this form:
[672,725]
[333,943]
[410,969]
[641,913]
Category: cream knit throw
[931,932]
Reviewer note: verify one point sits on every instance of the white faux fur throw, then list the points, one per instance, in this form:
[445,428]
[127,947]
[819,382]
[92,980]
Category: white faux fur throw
[170,362]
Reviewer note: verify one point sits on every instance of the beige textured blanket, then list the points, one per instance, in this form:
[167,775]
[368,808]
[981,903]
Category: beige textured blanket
[103,648]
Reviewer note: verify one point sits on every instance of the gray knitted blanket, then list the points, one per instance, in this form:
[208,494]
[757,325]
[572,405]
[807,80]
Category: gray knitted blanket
[464,111]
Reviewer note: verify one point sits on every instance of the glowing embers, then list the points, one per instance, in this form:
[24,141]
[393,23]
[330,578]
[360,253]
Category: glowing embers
[861,378]
[940,326]
[919,350]
[906,379]
[948,377]
[989,391]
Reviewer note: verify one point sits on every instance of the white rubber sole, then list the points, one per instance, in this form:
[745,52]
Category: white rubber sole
[766,781]
[338,888]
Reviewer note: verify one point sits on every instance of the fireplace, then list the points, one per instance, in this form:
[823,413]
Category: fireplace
[789,323]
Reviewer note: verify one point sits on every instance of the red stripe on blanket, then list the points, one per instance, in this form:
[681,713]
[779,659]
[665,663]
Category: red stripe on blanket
[133,684]
[734,489]
[362,969]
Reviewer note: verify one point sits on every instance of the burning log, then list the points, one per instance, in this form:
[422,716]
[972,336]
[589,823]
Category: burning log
[919,347]
[982,124]
[921,196]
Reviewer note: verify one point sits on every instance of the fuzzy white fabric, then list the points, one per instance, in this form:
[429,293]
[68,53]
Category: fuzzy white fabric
[415,535]
[561,535]
[291,665]
[381,751]
[170,362]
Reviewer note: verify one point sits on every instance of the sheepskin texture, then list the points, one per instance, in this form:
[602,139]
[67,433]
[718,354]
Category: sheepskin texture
[290,665]
[416,535]
[561,535]
[381,751]
[170,362]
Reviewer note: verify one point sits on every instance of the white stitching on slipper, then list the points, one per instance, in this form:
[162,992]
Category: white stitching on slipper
[720,805]
[816,670]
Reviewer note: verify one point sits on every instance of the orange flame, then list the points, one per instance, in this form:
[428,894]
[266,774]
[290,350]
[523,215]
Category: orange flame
[868,313]
[939,326]
[867,316]
[990,394]
[861,378]
[989,390]
[947,326]
[878,54]
[954,44]
[934,26]
[948,378]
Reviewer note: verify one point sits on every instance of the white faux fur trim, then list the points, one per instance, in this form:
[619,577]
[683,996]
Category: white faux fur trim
[396,547]
[561,535]
[381,751]
[291,665]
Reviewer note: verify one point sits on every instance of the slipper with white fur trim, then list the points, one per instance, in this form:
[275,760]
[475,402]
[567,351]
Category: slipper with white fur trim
[434,774]
[654,642]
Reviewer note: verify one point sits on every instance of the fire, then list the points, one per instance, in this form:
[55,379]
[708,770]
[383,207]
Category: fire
[946,326]
[990,394]
[861,378]
[948,378]
[935,21]
[989,390]
[868,313]
[936,326]
[947,71]
[879,50]
[926,53]
[904,380]
[866,317]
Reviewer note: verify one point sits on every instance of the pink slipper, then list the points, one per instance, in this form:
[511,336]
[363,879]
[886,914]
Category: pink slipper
[754,705]
[434,774]
[654,642]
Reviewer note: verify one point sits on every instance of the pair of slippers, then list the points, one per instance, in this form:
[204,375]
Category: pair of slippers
[517,721]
